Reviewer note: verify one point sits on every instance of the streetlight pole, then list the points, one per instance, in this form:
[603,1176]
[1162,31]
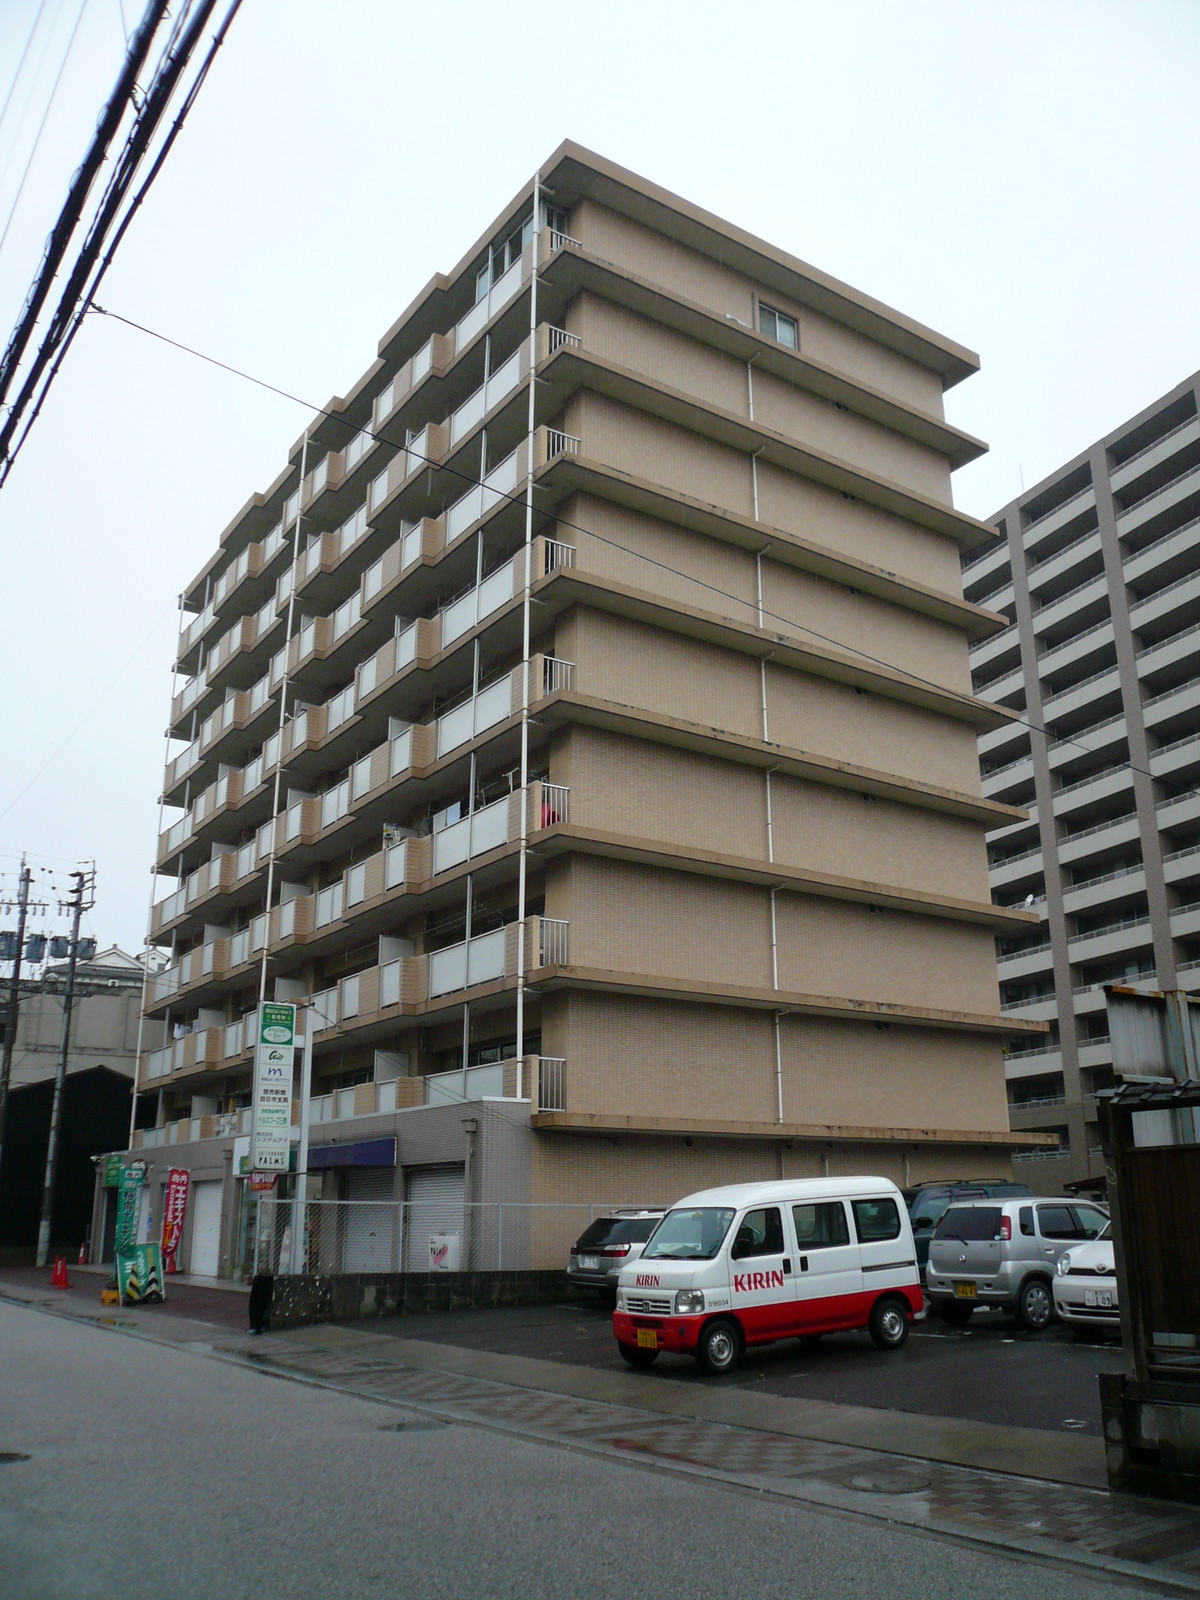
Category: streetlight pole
[84,884]
[14,1000]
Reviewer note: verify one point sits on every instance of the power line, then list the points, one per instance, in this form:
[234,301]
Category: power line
[561,522]
[37,139]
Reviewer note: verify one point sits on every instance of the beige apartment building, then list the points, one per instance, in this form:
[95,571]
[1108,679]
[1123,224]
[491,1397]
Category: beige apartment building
[581,724]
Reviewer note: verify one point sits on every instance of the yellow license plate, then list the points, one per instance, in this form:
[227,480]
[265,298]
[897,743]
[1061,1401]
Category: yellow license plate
[965,1291]
[647,1339]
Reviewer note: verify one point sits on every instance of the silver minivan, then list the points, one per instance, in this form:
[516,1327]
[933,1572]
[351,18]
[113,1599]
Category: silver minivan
[1003,1253]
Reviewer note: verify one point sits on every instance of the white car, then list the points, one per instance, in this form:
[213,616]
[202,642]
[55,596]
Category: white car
[1085,1286]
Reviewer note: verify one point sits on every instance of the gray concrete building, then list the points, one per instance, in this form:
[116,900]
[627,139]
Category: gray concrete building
[1098,571]
[104,1025]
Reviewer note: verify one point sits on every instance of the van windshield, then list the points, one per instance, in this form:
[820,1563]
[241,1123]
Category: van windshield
[695,1234]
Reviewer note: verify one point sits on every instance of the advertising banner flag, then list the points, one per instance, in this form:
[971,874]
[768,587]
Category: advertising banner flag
[174,1211]
[139,1274]
[128,1197]
[273,1062]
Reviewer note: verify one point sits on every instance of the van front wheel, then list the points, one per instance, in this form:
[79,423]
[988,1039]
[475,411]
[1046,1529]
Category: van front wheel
[719,1348]
[888,1326]
[636,1356]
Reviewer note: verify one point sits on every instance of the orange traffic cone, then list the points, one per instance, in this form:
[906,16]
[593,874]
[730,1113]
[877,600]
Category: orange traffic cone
[81,1259]
[58,1278]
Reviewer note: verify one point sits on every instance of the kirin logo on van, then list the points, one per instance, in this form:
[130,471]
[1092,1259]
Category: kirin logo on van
[647,1280]
[747,1282]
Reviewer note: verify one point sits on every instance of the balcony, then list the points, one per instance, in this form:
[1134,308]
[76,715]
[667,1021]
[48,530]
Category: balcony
[1166,601]
[1112,939]
[1091,893]
[215,877]
[1185,920]
[542,1080]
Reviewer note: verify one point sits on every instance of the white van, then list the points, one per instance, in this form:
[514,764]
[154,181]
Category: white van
[757,1262]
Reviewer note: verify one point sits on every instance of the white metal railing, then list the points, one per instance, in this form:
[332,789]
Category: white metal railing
[1176,799]
[557,675]
[1153,445]
[1011,861]
[1175,744]
[552,944]
[1054,510]
[1157,594]
[556,798]
[996,772]
[1110,927]
[558,555]
[552,1083]
[400,758]
[475,1083]
[1093,777]
[1019,955]
[558,239]
[1037,561]
[1105,877]
[1076,638]
[560,339]
[329,905]
[1156,544]
[1040,1050]
[1061,694]
[1083,733]
[1153,494]
[559,443]
[497,387]
[1098,828]
[335,803]
[489,303]
[1027,1000]
[1088,583]
[1167,694]
[1062,1153]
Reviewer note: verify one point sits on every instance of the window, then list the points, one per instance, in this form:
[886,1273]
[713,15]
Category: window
[970,1222]
[821,1225]
[776,326]
[1026,1215]
[760,1233]
[695,1234]
[876,1219]
[1092,1221]
[1057,1222]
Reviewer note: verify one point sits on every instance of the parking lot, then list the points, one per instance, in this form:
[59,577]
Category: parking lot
[989,1372]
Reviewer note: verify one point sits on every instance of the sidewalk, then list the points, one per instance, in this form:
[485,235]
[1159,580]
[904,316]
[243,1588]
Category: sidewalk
[1007,1488]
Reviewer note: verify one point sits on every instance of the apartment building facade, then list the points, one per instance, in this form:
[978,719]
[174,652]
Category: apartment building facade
[1099,574]
[580,726]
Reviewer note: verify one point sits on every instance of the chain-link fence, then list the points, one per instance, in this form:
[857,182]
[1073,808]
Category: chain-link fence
[338,1236]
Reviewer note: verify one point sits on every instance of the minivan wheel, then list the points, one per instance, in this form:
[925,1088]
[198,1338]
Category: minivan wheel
[636,1356]
[888,1326]
[957,1313]
[1035,1305]
[719,1348]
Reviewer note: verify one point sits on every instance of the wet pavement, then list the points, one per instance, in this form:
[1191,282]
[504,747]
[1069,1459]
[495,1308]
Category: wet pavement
[1034,1493]
[991,1372]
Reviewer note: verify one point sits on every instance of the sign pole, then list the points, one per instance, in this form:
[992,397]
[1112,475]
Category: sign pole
[300,1203]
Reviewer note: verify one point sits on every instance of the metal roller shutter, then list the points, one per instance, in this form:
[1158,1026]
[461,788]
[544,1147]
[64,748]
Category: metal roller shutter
[204,1258]
[371,1223]
[435,1205]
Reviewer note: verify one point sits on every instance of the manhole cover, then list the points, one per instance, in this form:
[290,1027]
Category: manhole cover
[12,1455]
[888,1481]
[411,1427]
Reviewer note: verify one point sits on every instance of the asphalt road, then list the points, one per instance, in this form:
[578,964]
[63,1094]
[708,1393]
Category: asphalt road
[135,1470]
[990,1371]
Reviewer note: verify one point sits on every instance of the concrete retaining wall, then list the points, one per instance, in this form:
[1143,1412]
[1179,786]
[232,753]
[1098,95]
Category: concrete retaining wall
[293,1301]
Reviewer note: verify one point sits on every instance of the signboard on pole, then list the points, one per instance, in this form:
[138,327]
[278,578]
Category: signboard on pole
[273,1057]
[174,1211]
[128,1197]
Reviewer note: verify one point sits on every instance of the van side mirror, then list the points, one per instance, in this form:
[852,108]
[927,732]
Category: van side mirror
[922,1222]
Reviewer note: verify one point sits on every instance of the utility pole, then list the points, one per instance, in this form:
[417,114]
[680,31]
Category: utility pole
[14,1001]
[85,883]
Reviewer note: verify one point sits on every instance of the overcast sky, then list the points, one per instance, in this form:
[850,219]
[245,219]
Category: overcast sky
[1019,174]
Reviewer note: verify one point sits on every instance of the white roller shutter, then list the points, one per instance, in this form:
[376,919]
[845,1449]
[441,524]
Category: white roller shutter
[204,1258]
[435,1205]
[371,1222]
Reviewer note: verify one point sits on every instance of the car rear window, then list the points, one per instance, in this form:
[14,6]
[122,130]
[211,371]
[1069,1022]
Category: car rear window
[969,1222]
[616,1230]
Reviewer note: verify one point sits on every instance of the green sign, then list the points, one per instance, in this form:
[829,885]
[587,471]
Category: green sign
[128,1195]
[139,1274]
[112,1172]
